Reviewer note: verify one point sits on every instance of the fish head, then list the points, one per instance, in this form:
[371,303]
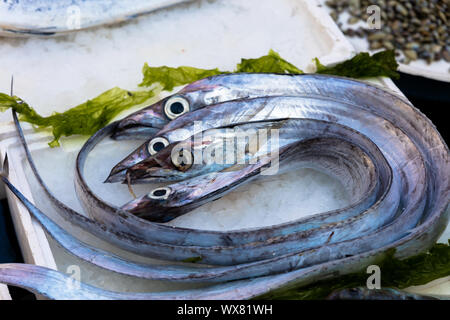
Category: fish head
[211,150]
[162,204]
[155,152]
[177,161]
[145,123]
[118,172]
[147,154]
[166,203]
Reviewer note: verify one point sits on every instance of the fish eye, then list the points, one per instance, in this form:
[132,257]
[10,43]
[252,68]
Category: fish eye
[160,193]
[175,107]
[157,144]
[182,159]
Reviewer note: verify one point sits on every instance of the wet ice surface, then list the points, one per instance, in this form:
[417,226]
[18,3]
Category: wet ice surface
[264,202]
[55,74]
[260,203]
[60,181]
[268,201]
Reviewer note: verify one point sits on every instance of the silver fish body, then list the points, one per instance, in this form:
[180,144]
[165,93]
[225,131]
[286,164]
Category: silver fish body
[145,123]
[364,113]
[416,154]
[403,149]
[296,138]
[27,18]
[177,273]
[212,90]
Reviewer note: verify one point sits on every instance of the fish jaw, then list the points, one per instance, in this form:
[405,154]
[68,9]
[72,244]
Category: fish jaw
[141,167]
[143,124]
[158,213]
[153,174]
[118,172]
[134,132]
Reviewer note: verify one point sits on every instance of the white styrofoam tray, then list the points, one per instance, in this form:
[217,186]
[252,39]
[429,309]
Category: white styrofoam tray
[53,74]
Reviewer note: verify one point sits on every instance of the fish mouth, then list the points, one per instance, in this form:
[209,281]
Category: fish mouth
[143,124]
[119,172]
[140,208]
[121,177]
[155,173]
[147,171]
[116,176]
[141,167]
[132,130]
[122,174]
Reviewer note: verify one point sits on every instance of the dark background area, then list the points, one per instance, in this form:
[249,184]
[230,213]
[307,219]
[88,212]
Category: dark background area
[430,96]
[10,250]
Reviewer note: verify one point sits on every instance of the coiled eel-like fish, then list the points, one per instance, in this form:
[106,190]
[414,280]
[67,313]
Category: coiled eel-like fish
[316,143]
[45,18]
[424,216]
[145,123]
[113,263]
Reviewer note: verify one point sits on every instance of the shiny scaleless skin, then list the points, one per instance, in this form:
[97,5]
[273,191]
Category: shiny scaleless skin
[364,115]
[416,156]
[314,143]
[175,273]
[46,18]
[147,122]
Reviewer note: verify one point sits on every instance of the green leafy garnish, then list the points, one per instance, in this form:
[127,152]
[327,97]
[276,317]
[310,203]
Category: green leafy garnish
[363,65]
[169,77]
[88,117]
[192,260]
[417,270]
[271,63]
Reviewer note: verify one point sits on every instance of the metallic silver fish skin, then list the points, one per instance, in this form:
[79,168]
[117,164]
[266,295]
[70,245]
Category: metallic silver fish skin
[110,262]
[208,91]
[402,154]
[143,124]
[293,133]
[160,251]
[236,139]
[176,273]
[419,160]
[361,93]
[46,18]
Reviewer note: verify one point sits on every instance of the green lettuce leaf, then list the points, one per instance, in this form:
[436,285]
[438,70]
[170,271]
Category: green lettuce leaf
[94,114]
[395,273]
[85,119]
[169,77]
[271,63]
[363,65]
